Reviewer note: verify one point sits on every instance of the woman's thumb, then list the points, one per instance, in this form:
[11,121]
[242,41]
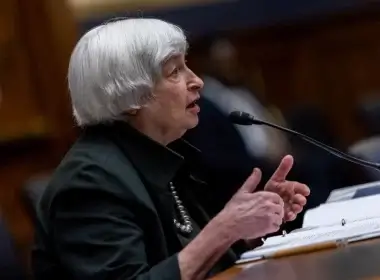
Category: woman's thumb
[252,182]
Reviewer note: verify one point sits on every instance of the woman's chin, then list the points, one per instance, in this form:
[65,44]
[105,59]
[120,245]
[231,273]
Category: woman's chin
[189,122]
[193,122]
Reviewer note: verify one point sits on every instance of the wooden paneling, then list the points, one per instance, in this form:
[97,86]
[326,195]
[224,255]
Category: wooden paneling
[20,113]
[49,33]
[36,39]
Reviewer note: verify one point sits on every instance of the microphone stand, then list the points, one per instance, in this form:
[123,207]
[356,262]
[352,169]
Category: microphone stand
[242,118]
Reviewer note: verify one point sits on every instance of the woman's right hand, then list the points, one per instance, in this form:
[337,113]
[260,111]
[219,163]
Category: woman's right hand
[251,215]
[246,216]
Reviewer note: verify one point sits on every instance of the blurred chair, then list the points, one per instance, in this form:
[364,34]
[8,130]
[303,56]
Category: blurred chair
[368,113]
[33,191]
[368,149]
[11,267]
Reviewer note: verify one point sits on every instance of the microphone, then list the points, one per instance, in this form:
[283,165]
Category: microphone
[243,118]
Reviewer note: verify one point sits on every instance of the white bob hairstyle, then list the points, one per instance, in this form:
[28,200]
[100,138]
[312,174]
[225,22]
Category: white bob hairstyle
[114,67]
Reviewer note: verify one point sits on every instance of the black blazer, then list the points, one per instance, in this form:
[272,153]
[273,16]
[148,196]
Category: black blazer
[108,213]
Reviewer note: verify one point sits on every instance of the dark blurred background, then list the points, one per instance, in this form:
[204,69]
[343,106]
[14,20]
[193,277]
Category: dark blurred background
[311,65]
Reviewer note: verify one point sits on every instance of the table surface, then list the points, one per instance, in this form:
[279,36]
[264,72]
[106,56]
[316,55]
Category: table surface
[356,261]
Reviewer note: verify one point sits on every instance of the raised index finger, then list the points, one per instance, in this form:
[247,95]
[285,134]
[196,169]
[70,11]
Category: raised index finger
[283,169]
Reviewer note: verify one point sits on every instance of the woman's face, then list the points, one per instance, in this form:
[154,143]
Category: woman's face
[173,109]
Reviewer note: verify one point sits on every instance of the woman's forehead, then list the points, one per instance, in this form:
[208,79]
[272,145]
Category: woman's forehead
[176,58]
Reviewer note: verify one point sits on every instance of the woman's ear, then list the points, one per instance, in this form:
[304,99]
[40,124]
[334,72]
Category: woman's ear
[131,112]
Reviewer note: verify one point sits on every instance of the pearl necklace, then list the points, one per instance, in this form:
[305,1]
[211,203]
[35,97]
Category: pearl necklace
[187,226]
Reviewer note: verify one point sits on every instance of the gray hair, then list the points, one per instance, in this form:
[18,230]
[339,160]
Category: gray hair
[114,66]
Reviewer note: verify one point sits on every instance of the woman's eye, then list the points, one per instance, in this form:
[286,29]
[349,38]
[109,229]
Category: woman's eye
[175,72]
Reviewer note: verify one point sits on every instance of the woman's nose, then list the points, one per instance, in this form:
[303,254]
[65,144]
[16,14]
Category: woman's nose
[196,83]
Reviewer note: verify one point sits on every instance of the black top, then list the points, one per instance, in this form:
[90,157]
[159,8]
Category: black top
[108,211]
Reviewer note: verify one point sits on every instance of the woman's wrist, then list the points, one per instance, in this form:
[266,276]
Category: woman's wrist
[197,258]
[222,231]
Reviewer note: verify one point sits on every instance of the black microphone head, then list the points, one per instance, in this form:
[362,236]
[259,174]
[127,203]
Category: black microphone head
[242,118]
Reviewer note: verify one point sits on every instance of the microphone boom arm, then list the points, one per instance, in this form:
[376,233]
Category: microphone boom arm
[325,147]
[243,118]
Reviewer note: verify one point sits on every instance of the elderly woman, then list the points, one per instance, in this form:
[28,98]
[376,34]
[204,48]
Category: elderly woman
[122,204]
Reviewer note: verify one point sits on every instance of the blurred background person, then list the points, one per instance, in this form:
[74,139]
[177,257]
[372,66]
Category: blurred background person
[224,86]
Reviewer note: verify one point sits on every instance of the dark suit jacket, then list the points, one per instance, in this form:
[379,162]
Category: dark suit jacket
[108,213]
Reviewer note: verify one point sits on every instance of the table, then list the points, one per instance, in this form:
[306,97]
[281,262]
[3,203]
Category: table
[356,261]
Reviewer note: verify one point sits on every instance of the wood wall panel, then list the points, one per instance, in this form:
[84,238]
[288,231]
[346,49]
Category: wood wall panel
[37,38]
[18,98]
[50,37]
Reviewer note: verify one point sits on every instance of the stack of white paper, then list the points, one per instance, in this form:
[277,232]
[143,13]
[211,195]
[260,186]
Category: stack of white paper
[336,233]
[345,221]
[347,211]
